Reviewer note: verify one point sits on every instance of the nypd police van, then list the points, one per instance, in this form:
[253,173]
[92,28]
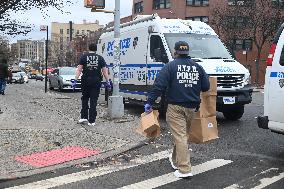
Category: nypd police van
[147,44]
[273,118]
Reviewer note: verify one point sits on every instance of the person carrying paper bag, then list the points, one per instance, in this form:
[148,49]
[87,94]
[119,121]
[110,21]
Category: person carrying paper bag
[182,80]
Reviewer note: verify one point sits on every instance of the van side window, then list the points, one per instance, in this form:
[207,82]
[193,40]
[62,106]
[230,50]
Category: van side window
[157,50]
[282,57]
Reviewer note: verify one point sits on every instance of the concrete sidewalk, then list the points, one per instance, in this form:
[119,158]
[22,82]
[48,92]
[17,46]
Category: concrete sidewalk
[34,122]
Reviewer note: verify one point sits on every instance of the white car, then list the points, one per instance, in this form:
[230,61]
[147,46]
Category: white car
[25,76]
[62,78]
[273,118]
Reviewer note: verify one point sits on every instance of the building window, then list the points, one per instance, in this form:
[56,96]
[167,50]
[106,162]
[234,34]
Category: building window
[61,31]
[243,44]
[138,7]
[67,31]
[198,18]
[278,4]
[197,3]
[161,4]
[240,2]
[238,22]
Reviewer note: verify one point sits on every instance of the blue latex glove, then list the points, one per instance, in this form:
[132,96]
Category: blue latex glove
[147,108]
[74,83]
[109,85]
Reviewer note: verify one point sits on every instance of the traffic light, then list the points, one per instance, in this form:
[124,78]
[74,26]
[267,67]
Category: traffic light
[97,4]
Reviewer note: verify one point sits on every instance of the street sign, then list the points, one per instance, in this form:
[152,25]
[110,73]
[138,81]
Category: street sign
[97,4]
[43,27]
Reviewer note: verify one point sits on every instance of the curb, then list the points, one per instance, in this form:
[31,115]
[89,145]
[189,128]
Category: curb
[109,153]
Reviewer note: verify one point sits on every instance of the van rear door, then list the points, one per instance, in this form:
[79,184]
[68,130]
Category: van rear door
[276,84]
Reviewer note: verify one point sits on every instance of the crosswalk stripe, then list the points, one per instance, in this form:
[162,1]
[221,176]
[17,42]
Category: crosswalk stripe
[263,182]
[84,175]
[169,178]
[268,181]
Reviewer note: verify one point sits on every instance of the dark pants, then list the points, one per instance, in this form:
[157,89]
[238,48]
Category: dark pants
[92,93]
[2,85]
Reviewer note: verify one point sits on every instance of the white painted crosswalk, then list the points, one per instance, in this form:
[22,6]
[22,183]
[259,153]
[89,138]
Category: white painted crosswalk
[169,178]
[155,181]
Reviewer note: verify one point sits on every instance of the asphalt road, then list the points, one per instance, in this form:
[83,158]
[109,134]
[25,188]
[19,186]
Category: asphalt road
[243,157]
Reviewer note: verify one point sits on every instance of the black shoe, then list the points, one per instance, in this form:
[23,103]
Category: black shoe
[3,93]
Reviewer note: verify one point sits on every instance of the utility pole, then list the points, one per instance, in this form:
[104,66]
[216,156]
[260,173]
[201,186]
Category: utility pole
[115,102]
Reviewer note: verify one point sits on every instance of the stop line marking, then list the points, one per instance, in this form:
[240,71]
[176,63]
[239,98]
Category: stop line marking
[169,178]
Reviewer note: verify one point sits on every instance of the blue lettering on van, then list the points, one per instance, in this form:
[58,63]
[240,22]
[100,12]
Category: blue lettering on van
[223,69]
[277,74]
[152,74]
[124,46]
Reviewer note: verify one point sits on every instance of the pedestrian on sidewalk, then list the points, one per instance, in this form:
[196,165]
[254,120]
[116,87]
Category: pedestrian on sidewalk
[93,66]
[3,74]
[182,81]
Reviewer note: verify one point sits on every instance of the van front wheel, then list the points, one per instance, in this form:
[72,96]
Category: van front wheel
[233,112]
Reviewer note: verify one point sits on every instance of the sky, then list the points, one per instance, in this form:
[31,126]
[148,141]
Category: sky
[77,14]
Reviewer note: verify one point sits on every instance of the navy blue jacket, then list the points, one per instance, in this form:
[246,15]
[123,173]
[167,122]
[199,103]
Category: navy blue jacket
[181,80]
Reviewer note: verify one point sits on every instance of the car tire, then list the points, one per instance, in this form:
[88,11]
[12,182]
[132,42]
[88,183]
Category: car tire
[60,87]
[233,113]
[50,87]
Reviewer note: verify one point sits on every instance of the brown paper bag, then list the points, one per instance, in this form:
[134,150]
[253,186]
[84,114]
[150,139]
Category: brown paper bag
[207,107]
[203,130]
[213,87]
[149,124]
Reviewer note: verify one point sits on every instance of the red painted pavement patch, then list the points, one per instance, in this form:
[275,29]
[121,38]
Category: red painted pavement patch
[53,157]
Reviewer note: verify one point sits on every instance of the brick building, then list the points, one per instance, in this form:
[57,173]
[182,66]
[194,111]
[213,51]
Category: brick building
[201,10]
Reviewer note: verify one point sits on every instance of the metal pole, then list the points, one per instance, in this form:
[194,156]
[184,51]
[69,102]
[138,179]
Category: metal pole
[46,57]
[115,102]
[116,53]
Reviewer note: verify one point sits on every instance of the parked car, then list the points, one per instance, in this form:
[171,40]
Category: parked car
[25,76]
[17,78]
[39,77]
[62,78]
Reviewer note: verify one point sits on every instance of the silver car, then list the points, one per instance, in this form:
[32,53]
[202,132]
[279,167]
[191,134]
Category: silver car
[62,78]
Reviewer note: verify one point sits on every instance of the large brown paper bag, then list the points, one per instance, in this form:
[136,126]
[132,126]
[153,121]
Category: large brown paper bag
[203,130]
[149,124]
[213,87]
[207,107]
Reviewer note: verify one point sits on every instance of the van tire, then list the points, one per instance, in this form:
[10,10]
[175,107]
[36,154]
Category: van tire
[233,113]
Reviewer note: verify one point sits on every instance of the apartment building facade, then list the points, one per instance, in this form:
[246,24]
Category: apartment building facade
[202,10]
[33,50]
[66,41]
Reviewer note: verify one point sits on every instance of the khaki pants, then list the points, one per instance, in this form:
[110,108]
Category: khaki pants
[179,119]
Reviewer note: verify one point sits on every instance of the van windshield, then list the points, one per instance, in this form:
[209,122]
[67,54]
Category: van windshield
[200,46]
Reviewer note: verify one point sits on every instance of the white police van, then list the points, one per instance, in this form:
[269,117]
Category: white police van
[273,118]
[147,44]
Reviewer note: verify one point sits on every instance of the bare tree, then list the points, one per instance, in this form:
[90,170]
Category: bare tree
[256,19]
[13,27]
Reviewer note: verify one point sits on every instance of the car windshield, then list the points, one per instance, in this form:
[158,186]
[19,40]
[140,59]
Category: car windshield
[16,74]
[200,46]
[67,71]
[23,73]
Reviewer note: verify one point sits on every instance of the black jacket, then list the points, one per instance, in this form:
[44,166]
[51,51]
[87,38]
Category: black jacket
[3,71]
[181,80]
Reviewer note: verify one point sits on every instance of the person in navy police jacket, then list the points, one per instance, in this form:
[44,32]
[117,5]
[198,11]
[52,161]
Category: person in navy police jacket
[182,81]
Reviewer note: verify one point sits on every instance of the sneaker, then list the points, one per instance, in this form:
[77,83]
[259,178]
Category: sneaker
[171,161]
[92,124]
[82,121]
[182,175]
